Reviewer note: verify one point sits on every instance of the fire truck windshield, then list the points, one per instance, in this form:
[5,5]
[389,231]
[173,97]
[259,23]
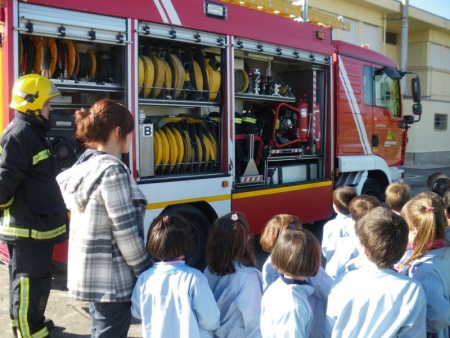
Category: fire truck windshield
[387,93]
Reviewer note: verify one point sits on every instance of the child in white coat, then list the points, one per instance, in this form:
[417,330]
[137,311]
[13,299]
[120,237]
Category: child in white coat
[375,300]
[171,298]
[347,255]
[233,277]
[428,260]
[340,226]
[285,307]
[321,282]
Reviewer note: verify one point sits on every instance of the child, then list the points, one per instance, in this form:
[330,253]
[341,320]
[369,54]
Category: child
[321,282]
[337,227]
[347,247]
[233,277]
[361,205]
[375,300]
[171,298]
[285,305]
[429,259]
[274,227]
[397,194]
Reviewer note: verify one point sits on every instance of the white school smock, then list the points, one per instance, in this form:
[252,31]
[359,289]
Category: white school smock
[238,296]
[269,274]
[356,263]
[318,300]
[332,231]
[346,250]
[174,300]
[285,310]
[432,271]
[373,302]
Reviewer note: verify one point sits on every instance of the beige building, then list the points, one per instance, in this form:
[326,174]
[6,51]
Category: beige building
[378,23]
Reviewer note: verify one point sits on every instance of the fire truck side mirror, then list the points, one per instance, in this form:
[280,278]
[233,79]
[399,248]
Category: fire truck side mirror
[392,73]
[417,109]
[415,90]
[408,119]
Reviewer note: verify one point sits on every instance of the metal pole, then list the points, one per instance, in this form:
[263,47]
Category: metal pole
[305,11]
[404,40]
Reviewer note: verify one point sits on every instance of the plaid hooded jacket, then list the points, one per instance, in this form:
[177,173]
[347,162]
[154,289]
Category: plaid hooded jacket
[106,246]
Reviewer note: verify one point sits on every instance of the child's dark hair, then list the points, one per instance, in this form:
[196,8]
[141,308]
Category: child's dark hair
[397,194]
[384,235]
[341,198]
[169,237]
[297,253]
[275,226]
[229,240]
[361,205]
[94,126]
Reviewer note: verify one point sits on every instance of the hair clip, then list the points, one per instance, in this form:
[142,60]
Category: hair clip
[429,209]
[234,217]
[292,225]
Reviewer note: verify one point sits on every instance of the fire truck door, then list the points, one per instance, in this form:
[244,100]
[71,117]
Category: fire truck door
[354,114]
[387,136]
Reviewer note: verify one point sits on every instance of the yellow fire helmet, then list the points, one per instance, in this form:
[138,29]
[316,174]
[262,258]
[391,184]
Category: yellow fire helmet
[30,92]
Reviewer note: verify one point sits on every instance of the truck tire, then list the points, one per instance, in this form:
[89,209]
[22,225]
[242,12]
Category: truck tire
[372,188]
[199,230]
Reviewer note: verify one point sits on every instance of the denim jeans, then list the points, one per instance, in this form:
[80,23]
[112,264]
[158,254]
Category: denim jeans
[110,320]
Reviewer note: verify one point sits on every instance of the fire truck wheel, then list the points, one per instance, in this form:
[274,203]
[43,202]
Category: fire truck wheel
[372,188]
[199,229]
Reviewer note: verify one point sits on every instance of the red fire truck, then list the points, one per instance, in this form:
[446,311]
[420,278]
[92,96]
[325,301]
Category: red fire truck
[236,109]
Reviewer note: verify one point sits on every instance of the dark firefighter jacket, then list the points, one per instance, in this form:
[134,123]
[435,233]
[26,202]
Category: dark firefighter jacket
[31,205]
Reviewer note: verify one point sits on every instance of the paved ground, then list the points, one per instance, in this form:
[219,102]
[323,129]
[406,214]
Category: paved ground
[72,318]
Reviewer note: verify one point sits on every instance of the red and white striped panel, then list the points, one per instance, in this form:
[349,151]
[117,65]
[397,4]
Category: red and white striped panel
[256,178]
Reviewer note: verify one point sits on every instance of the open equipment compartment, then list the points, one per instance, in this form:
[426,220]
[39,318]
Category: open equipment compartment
[180,82]
[280,96]
[83,54]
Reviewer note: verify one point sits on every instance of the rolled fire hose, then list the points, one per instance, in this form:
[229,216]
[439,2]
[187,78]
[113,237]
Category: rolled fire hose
[179,74]
[71,62]
[159,74]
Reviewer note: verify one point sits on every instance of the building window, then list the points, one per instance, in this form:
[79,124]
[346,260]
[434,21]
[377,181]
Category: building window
[391,38]
[351,36]
[440,121]
[447,58]
[371,36]
[436,56]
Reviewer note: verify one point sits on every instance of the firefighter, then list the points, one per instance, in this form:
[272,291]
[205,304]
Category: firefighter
[33,216]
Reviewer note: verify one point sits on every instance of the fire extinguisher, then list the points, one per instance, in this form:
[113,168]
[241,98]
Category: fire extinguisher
[317,135]
[302,106]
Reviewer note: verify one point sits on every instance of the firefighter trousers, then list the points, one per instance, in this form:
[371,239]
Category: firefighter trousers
[30,283]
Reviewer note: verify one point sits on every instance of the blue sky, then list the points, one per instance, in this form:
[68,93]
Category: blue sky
[438,7]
